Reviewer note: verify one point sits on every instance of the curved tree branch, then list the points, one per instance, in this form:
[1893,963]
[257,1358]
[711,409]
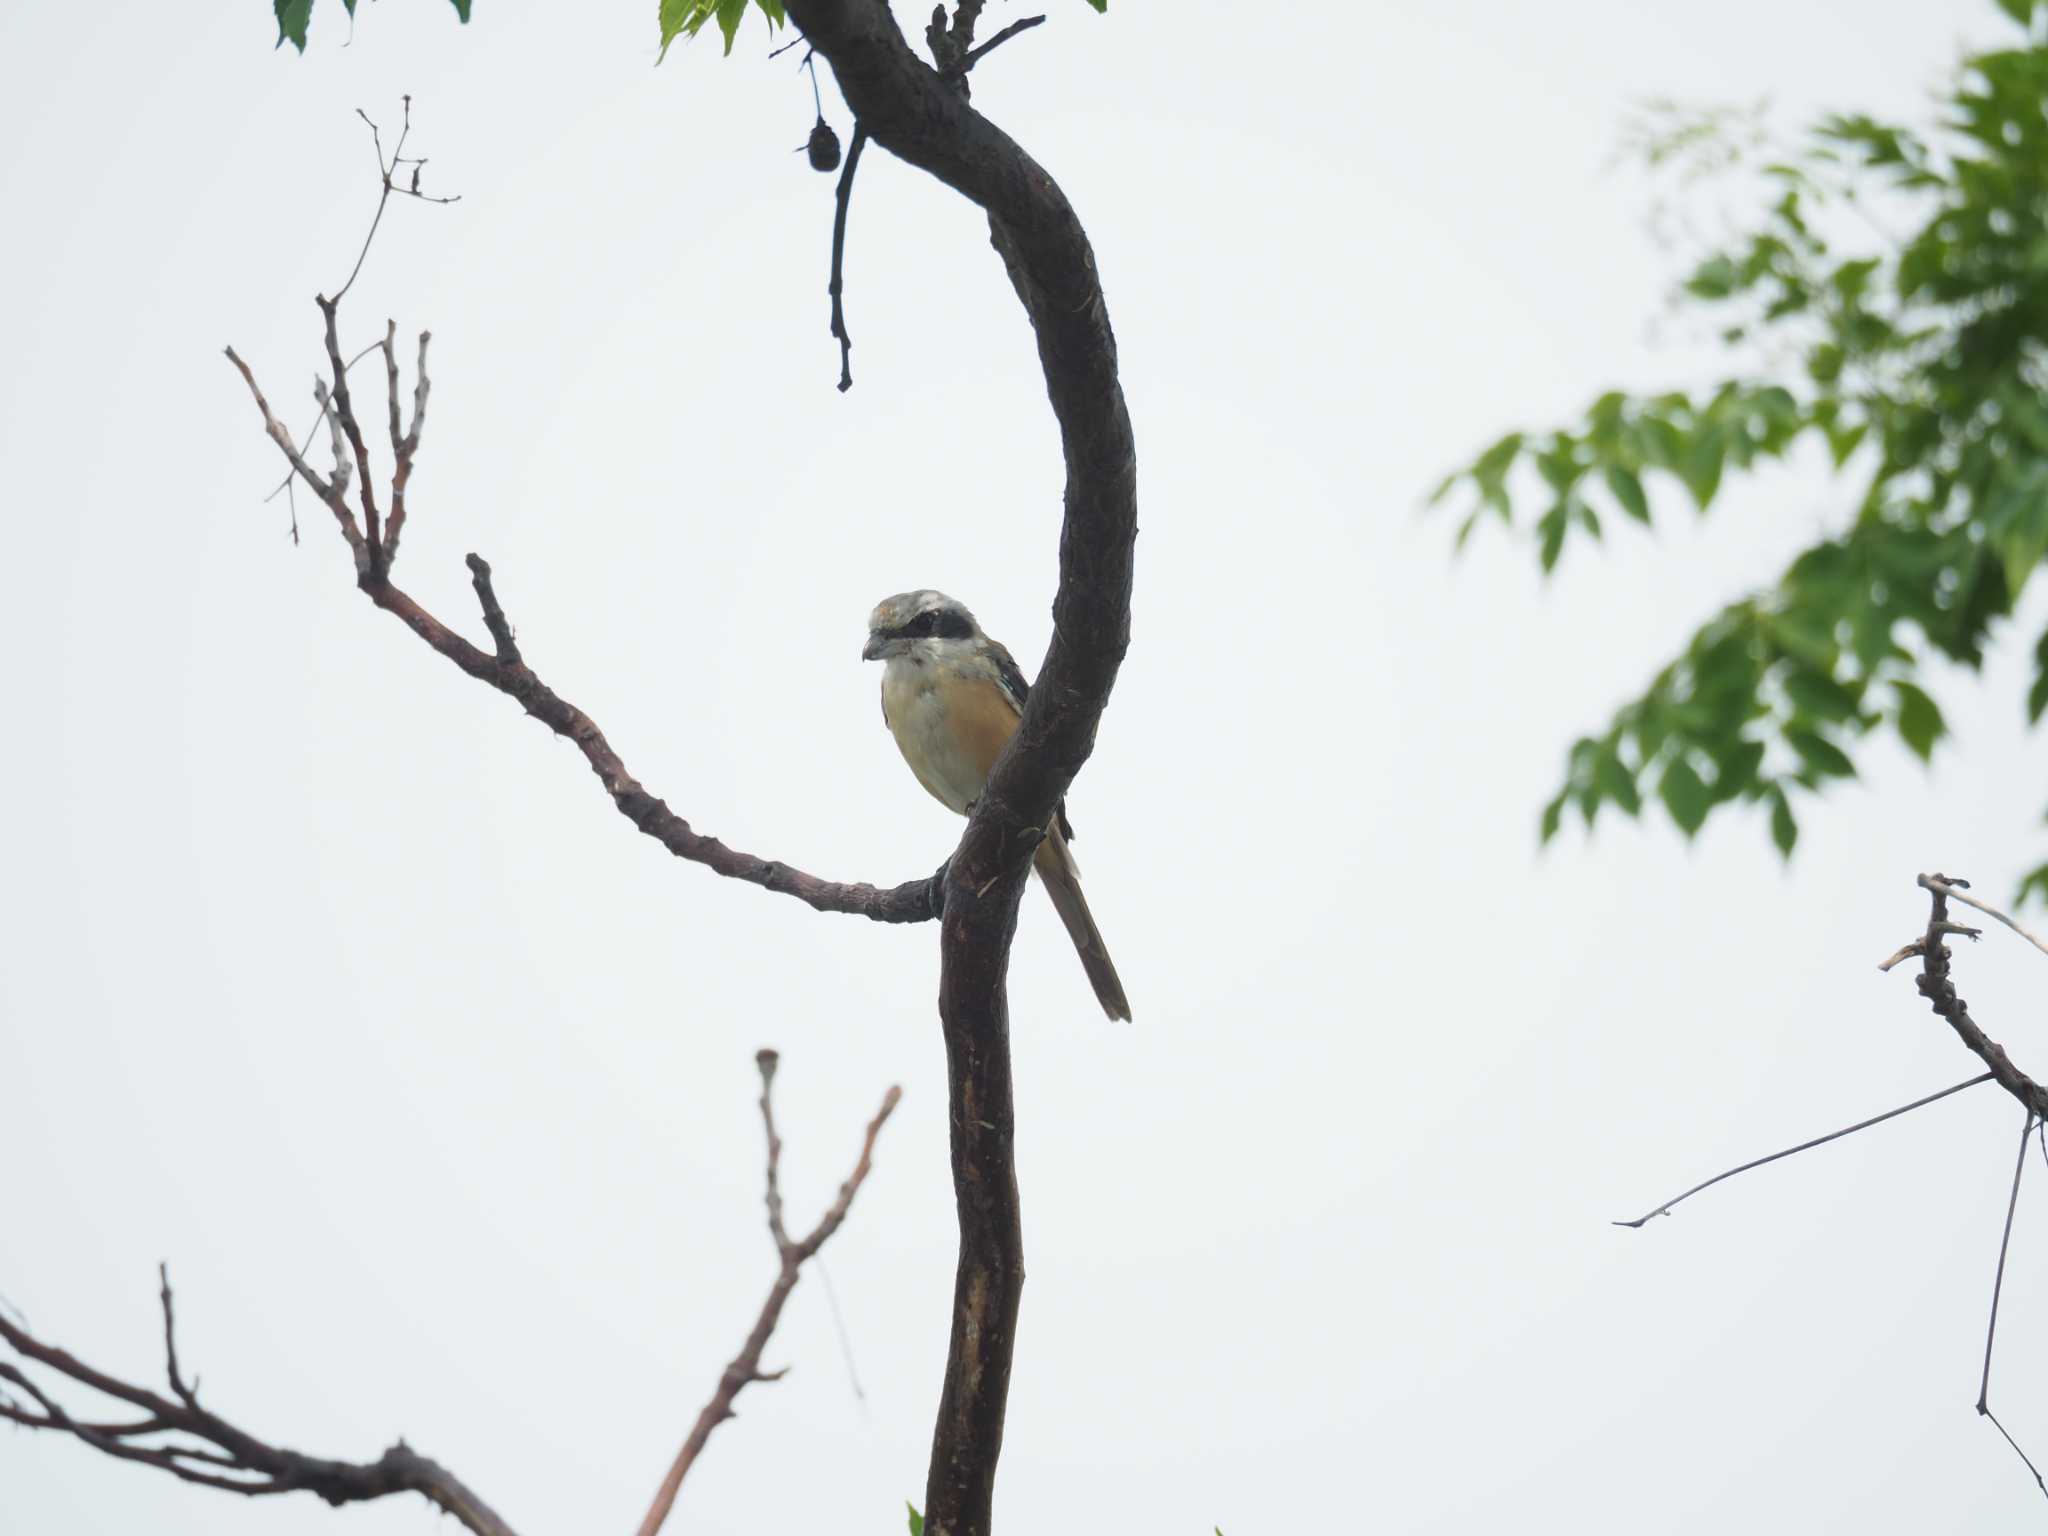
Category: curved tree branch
[924,118]
[915,901]
[921,116]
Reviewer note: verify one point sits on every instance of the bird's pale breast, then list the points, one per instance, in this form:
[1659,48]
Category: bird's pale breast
[949,727]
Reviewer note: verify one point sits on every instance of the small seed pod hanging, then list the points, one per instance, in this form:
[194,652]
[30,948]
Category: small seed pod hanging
[823,147]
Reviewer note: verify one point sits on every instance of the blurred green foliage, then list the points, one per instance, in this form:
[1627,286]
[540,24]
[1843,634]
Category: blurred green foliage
[293,16]
[686,18]
[1919,361]
[678,18]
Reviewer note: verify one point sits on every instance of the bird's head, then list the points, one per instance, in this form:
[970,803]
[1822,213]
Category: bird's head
[900,622]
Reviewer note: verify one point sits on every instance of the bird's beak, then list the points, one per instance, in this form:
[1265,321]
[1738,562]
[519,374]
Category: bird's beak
[872,651]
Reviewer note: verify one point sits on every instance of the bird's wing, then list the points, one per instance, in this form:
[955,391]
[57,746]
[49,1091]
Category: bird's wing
[1018,690]
[1010,674]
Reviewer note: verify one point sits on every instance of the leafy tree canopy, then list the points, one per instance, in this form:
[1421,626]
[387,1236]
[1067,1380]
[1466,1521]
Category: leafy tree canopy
[1920,362]
[678,18]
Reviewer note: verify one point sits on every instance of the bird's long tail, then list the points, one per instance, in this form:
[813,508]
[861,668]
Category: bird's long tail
[1055,866]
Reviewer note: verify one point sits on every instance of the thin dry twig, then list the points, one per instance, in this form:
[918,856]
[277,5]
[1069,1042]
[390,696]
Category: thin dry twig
[284,487]
[952,48]
[1956,890]
[791,1255]
[385,173]
[1847,1130]
[1997,1287]
[975,55]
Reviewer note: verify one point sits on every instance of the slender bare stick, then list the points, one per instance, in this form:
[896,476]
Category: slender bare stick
[974,55]
[1847,1130]
[1998,1286]
[837,286]
[745,1367]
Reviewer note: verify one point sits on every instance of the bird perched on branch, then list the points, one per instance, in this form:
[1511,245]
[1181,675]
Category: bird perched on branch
[952,698]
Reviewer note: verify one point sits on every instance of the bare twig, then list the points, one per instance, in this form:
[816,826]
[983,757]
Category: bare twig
[974,55]
[344,417]
[1955,890]
[331,495]
[385,172]
[1847,1130]
[791,1255]
[1997,1286]
[837,286]
[1905,951]
[284,486]
[846,1340]
[952,48]
[207,1449]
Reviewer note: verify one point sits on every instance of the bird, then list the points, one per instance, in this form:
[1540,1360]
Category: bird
[952,698]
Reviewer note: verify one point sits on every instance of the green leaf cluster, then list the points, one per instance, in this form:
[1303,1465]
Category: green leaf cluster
[1919,361]
[294,16]
[686,18]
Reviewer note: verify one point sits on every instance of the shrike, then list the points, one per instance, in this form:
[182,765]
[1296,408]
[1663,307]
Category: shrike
[952,698]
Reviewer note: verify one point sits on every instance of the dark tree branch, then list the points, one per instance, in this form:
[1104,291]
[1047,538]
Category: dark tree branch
[745,1367]
[213,1451]
[837,286]
[1804,1146]
[494,616]
[914,901]
[924,118]
[1934,985]
[344,414]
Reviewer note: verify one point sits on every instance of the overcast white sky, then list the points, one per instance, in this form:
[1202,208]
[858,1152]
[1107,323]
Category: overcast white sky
[337,983]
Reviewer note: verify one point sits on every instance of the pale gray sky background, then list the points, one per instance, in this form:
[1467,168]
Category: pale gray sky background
[337,983]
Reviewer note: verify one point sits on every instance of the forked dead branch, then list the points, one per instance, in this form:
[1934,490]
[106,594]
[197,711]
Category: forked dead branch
[178,1434]
[1934,982]
[792,1254]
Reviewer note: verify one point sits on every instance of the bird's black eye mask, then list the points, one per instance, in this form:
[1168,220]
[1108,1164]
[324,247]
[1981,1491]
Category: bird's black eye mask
[938,624]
